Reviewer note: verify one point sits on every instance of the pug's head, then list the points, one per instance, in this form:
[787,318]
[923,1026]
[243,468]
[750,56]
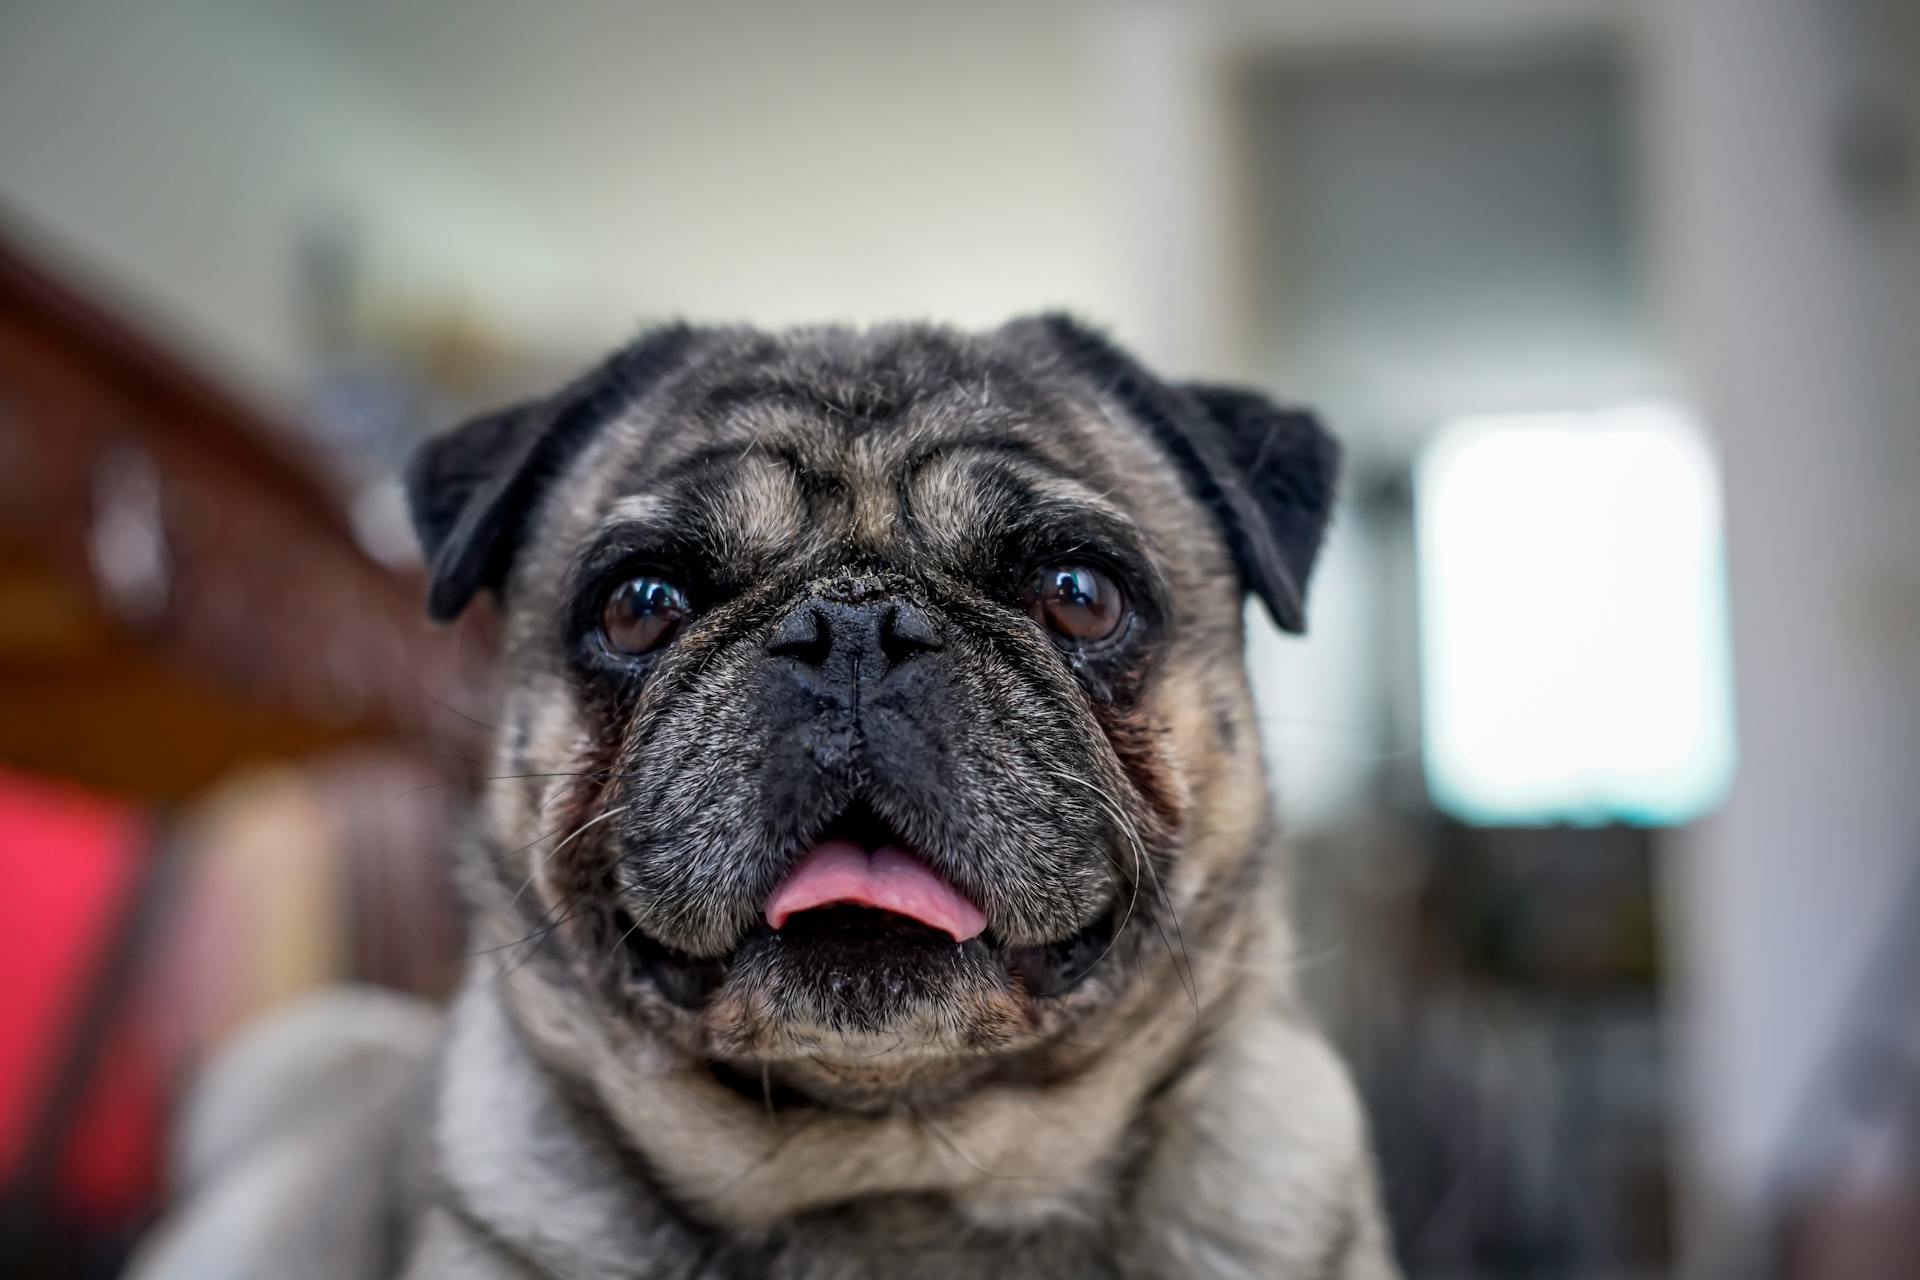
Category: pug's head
[873,700]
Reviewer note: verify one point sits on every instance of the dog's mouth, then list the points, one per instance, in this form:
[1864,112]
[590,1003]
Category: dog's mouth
[860,902]
[888,880]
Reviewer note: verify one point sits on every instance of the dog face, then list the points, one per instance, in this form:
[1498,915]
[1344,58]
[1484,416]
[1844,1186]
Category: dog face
[873,701]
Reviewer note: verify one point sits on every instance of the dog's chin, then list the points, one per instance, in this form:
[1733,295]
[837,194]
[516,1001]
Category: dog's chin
[854,984]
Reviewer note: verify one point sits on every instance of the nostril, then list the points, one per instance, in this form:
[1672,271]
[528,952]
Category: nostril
[847,638]
[905,631]
[803,634]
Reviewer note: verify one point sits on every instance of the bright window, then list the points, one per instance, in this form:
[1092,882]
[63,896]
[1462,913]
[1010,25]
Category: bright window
[1573,637]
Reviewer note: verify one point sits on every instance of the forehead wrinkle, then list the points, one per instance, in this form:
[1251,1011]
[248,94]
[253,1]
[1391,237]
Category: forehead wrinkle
[743,518]
[870,462]
[1071,445]
[757,512]
[950,495]
[716,451]
[939,497]
[1038,476]
[1052,497]
[635,508]
[811,447]
[1067,491]
[691,429]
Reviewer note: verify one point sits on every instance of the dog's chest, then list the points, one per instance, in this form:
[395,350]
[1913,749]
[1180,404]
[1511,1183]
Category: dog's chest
[842,1247]
[888,1240]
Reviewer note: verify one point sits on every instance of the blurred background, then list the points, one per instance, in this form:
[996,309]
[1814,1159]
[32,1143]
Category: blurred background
[1601,761]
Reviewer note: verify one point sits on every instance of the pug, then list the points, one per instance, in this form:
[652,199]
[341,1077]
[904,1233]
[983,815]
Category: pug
[876,874]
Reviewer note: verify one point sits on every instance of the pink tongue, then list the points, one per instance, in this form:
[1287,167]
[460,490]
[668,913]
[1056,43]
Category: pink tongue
[841,874]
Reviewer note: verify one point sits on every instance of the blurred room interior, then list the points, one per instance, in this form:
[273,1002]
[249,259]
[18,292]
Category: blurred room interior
[1599,760]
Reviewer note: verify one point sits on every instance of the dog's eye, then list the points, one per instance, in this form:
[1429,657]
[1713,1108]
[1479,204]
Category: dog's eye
[1076,601]
[642,614]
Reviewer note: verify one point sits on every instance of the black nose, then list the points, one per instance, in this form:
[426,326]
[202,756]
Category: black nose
[845,639]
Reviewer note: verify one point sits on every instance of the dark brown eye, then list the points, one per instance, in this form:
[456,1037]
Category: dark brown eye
[642,614]
[1076,601]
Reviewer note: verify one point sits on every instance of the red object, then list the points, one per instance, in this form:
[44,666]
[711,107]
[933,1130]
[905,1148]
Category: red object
[69,865]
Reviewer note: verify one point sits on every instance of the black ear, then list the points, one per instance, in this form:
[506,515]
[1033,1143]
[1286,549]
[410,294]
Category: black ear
[472,489]
[1291,468]
[1267,473]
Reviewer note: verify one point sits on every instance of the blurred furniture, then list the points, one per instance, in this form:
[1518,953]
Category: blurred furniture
[1520,968]
[178,589]
[230,748]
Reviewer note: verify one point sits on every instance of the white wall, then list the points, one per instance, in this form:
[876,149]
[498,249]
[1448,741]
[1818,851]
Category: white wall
[178,153]
[1790,307]
[566,172]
